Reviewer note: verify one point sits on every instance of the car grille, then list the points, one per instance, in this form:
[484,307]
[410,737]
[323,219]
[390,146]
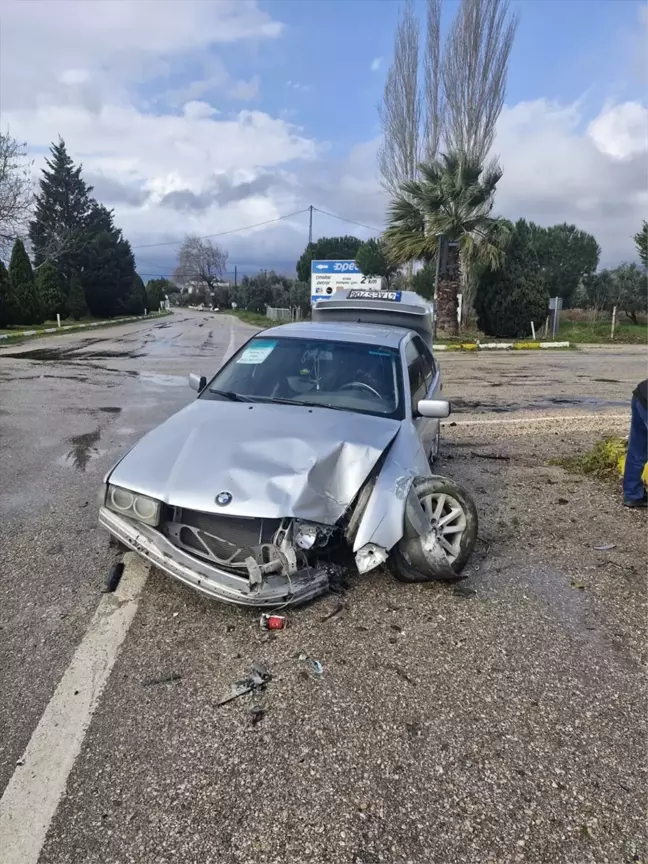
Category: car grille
[224,540]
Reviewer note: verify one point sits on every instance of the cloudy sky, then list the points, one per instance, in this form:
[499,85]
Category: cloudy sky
[208,115]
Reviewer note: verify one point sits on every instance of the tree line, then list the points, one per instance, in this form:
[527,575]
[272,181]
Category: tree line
[80,263]
[440,105]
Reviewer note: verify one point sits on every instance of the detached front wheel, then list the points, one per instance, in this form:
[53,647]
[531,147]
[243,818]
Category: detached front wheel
[444,550]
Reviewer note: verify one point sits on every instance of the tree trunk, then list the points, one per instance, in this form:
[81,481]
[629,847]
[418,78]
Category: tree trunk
[447,290]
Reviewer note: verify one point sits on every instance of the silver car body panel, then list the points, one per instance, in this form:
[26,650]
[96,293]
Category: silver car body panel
[384,518]
[275,461]
[212,581]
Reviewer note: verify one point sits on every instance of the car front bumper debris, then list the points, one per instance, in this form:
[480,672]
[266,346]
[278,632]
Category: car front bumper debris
[211,581]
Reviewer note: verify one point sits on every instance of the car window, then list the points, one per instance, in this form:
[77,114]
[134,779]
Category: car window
[416,373]
[345,375]
[426,359]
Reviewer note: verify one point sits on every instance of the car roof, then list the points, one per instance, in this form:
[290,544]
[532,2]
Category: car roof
[369,334]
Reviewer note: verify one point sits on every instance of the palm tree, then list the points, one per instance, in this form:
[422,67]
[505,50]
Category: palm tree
[450,202]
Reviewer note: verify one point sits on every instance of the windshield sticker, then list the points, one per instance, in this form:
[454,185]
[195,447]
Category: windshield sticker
[257,352]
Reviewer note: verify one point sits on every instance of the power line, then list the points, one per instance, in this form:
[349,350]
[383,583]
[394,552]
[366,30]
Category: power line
[350,221]
[223,233]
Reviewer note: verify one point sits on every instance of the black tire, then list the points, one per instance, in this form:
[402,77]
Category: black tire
[399,560]
[433,455]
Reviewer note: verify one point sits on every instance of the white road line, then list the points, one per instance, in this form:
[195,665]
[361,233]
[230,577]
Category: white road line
[231,345]
[29,802]
[510,421]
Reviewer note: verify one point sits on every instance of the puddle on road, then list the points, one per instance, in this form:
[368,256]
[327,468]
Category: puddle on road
[82,450]
[486,406]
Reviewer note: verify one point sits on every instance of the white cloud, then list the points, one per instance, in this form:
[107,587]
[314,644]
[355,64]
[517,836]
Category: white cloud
[296,85]
[192,168]
[376,64]
[556,171]
[246,91]
[621,131]
[120,41]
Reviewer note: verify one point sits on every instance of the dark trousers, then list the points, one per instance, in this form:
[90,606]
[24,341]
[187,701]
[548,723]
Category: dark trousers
[633,488]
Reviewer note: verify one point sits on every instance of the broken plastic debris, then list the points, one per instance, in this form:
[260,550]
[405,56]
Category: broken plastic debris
[271,621]
[257,713]
[113,577]
[316,666]
[257,679]
[606,547]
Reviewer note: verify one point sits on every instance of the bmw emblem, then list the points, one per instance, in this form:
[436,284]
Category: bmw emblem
[223,498]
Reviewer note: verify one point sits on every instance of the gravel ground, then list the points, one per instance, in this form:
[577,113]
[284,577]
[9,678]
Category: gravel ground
[501,719]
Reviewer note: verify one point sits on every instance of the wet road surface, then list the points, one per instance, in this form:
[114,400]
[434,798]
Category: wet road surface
[500,720]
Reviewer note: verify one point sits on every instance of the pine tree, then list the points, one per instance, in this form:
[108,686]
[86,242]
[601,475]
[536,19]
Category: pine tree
[26,307]
[76,299]
[49,291]
[5,297]
[509,298]
[109,267]
[63,206]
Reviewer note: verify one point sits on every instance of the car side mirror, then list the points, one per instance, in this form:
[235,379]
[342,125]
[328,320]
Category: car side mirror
[197,382]
[433,408]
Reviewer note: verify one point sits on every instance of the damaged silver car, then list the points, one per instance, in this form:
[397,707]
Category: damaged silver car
[310,450]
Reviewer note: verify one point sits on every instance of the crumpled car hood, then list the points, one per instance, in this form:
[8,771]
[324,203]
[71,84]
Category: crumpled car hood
[274,460]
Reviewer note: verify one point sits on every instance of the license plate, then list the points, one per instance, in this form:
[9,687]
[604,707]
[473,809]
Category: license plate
[357,294]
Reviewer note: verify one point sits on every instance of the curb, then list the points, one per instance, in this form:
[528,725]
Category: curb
[502,346]
[106,323]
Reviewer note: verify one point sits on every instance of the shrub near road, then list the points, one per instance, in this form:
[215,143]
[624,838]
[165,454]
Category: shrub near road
[510,297]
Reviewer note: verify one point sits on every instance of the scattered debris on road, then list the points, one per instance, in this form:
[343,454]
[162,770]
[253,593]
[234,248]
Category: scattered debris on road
[271,621]
[315,665]
[112,580]
[334,613]
[606,547]
[257,713]
[496,456]
[257,679]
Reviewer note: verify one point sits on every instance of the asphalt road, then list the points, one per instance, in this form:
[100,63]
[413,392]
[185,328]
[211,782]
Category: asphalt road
[502,720]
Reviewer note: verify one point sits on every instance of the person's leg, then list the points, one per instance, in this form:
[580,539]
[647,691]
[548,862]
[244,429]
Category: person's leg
[633,488]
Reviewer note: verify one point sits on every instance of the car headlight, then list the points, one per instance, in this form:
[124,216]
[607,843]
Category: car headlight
[134,505]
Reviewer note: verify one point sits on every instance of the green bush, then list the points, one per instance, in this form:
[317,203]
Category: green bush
[510,298]
[76,300]
[49,291]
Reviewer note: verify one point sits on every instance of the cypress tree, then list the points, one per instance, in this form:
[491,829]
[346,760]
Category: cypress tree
[109,267]
[5,297]
[76,299]
[24,299]
[63,206]
[49,291]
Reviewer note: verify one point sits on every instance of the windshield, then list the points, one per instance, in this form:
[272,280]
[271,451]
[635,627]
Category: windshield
[344,375]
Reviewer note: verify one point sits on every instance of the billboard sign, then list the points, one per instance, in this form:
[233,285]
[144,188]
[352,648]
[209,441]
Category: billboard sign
[327,277]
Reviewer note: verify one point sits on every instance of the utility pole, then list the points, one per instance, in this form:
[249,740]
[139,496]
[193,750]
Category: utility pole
[235,276]
[310,224]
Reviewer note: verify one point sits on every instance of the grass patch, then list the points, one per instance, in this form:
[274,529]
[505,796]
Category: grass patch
[605,460]
[253,318]
[599,332]
[14,334]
